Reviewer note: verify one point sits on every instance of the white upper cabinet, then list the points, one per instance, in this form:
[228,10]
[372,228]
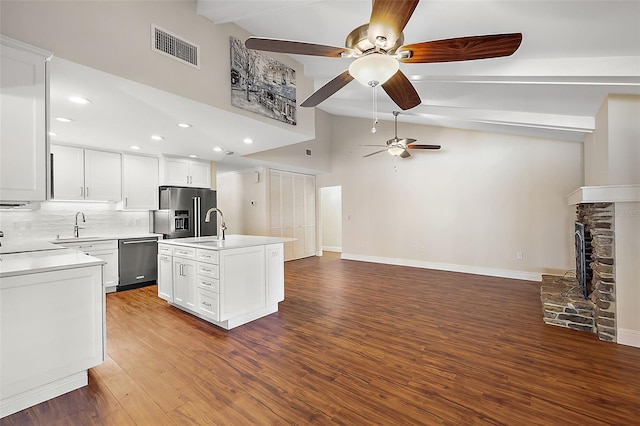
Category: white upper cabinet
[86,174]
[140,182]
[23,125]
[184,172]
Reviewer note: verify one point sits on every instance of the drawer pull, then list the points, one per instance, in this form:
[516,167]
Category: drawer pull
[205,283]
[206,304]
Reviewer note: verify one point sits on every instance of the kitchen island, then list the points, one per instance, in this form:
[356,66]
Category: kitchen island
[225,282]
[52,329]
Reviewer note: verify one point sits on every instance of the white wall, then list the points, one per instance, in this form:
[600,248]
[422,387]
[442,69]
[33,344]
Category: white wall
[331,218]
[627,270]
[294,158]
[242,197]
[612,152]
[470,206]
[115,37]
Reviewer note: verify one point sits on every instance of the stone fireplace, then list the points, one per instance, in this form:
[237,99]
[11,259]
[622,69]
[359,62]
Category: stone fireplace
[587,301]
[611,219]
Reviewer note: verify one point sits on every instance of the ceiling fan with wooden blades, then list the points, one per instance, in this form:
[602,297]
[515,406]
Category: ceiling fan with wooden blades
[400,147]
[378,49]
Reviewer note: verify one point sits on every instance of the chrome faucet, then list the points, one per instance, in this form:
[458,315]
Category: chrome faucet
[223,226]
[76,228]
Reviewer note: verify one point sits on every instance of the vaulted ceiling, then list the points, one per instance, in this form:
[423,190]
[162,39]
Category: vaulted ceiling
[572,55]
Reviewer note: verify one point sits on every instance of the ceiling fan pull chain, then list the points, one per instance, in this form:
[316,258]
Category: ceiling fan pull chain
[375,109]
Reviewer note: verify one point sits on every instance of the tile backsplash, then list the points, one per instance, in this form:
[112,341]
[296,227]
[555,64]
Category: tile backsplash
[48,220]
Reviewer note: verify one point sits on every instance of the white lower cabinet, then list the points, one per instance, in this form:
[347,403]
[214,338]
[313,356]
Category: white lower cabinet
[228,287]
[184,283]
[106,250]
[165,277]
[52,332]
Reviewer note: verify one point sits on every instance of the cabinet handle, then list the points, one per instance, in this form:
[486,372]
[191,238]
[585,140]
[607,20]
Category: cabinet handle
[82,191]
[126,201]
[87,192]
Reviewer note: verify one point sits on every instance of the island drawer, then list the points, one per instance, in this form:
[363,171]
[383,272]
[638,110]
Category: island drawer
[209,283]
[209,256]
[208,269]
[184,252]
[165,249]
[208,304]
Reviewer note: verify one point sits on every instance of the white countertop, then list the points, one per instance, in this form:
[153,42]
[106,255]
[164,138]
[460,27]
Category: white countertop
[33,262]
[231,241]
[84,239]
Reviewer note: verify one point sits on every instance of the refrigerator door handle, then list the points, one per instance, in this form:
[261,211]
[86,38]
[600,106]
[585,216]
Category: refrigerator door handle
[196,216]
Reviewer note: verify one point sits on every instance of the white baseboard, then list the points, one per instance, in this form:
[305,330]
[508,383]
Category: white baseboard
[43,393]
[478,270]
[332,248]
[628,337]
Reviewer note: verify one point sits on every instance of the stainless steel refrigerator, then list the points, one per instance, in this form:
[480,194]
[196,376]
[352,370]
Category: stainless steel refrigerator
[182,212]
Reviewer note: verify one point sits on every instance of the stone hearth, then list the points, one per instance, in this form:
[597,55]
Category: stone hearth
[564,305]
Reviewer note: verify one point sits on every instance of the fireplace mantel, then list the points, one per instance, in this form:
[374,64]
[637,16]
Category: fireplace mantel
[605,194]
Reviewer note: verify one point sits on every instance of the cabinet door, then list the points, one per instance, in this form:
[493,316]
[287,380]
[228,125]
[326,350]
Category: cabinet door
[23,130]
[68,173]
[103,175]
[242,287]
[200,174]
[140,182]
[176,172]
[110,270]
[165,277]
[274,273]
[184,283]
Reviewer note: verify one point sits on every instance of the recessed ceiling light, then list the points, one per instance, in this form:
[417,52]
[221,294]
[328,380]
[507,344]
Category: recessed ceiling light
[184,125]
[157,137]
[134,147]
[53,134]
[79,100]
[193,156]
[248,140]
[64,120]
[217,149]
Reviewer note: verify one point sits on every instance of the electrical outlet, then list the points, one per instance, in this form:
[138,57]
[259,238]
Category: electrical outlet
[519,255]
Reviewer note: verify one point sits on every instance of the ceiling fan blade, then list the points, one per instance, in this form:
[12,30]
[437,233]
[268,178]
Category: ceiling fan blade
[381,146]
[295,47]
[388,19]
[405,154]
[423,146]
[328,89]
[401,91]
[373,153]
[407,141]
[462,48]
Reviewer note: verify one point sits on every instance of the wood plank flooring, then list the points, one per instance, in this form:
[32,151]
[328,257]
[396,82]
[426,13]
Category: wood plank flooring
[355,343]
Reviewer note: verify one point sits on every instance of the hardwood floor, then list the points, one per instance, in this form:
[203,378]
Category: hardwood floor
[355,343]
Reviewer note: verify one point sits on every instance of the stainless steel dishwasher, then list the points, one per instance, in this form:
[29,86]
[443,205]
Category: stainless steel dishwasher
[137,262]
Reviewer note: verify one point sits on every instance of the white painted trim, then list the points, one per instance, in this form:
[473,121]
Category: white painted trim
[43,393]
[332,248]
[467,269]
[628,337]
[605,194]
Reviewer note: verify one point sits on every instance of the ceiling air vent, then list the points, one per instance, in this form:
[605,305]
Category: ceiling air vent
[163,41]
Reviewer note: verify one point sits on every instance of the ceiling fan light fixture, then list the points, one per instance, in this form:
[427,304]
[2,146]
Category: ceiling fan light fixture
[374,69]
[395,150]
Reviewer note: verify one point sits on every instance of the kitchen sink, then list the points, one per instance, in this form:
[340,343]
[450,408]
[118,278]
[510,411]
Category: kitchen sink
[79,239]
